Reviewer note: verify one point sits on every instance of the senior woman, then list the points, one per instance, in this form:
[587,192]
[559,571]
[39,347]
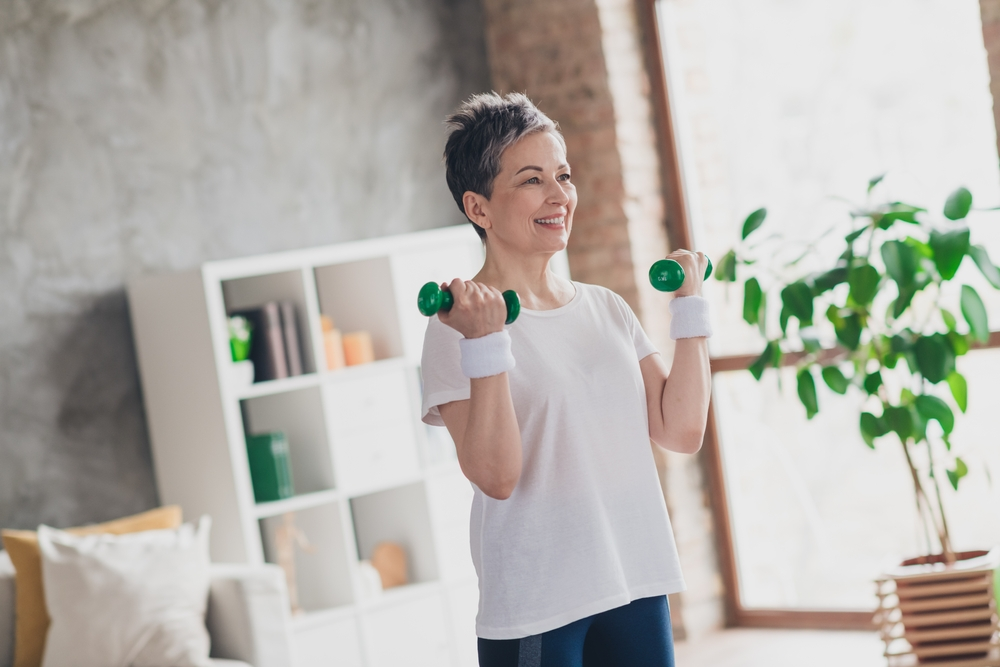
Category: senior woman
[552,417]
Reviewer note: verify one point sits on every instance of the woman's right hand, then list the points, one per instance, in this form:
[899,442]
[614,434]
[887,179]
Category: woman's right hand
[479,309]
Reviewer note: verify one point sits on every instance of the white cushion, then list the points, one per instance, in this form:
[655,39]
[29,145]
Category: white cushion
[127,600]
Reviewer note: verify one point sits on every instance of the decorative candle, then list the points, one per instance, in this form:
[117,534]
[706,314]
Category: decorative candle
[332,343]
[358,348]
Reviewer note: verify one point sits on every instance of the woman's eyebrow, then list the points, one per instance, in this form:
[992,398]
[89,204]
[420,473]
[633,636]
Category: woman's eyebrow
[533,167]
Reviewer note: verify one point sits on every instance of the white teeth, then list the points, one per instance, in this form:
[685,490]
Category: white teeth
[551,221]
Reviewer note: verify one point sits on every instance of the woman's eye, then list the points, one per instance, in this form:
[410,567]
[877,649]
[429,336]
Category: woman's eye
[564,177]
[532,180]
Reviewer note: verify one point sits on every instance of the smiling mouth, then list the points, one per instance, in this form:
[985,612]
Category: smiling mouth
[558,220]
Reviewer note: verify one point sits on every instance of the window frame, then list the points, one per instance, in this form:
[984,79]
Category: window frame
[680,236]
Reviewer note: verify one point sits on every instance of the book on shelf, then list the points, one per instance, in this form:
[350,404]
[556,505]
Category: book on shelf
[290,329]
[270,466]
[275,346]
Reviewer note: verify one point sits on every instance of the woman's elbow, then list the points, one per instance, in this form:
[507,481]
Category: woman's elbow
[501,489]
[685,442]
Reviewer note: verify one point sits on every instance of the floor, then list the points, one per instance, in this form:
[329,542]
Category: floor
[744,647]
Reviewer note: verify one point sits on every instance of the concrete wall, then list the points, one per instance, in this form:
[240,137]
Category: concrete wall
[141,136]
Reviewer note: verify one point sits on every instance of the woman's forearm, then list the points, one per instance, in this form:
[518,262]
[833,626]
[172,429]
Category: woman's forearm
[487,436]
[686,394]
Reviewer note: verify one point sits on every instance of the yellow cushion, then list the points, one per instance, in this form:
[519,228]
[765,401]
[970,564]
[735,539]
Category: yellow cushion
[32,617]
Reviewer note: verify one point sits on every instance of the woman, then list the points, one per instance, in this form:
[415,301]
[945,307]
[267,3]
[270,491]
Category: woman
[552,417]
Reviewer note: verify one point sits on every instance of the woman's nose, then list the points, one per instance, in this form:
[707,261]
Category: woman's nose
[557,194]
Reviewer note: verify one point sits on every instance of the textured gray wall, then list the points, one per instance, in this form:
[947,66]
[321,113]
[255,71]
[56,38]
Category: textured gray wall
[141,136]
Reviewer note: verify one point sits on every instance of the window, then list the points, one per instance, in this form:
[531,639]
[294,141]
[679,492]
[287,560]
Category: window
[793,106]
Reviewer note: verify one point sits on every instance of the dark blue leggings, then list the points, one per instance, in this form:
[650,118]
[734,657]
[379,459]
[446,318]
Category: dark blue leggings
[636,635]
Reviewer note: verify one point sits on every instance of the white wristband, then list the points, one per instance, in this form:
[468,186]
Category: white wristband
[486,356]
[689,318]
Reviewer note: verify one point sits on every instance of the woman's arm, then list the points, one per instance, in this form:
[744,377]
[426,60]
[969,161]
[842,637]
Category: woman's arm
[487,436]
[484,427]
[677,400]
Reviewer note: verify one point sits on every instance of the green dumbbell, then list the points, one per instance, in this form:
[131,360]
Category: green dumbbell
[667,275]
[432,299]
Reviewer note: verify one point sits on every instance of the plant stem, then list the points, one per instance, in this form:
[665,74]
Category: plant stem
[923,503]
[944,534]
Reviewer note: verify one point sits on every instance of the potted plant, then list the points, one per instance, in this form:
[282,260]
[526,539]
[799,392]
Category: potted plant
[879,319]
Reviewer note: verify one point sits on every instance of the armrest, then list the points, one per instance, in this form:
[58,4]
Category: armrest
[6,610]
[248,615]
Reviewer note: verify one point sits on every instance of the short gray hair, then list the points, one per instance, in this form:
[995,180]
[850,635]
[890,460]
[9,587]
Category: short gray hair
[481,130]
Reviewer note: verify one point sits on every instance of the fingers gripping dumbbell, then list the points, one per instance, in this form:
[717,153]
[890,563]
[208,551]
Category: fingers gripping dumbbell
[432,299]
[667,275]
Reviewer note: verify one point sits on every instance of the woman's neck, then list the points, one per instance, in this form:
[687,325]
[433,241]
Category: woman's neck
[537,287]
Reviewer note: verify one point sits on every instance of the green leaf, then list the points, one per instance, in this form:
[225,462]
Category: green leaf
[872,382]
[932,407]
[988,269]
[934,356]
[958,205]
[875,180]
[949,319]
[753,221]
[900,262]
[848,331]
[899,420]
[762,316]
[863,280]
[899,211]
[783,319]
[959,389]
[974,313]
[960,471]
[903,300]
[835,379]
[798,300]
[726,271]
[766,358]
[827,281]
[872,427]
[751,301]
[807,392]
[853,236]
[949,249]
[959,343]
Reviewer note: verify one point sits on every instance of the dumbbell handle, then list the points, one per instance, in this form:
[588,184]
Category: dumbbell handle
[667,275]
[432,299]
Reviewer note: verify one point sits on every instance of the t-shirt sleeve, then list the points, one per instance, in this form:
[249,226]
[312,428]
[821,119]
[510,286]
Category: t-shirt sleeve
[643,346]
[441,371]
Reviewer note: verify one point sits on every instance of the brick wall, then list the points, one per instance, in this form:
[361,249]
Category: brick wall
[582,62]
[990,11]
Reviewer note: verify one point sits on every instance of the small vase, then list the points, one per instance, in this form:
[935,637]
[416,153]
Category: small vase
[241,374]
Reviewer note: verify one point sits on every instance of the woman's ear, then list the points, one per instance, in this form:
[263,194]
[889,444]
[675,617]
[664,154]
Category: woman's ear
[475,209]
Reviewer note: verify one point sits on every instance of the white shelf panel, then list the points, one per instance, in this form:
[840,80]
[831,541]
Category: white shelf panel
[295,503]
[272,387]
[399,595]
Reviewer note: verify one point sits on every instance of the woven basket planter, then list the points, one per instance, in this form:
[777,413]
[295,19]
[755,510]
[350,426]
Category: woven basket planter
[931,613]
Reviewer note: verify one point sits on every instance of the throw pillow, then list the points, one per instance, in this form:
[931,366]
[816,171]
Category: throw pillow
[32,618]
[135,600]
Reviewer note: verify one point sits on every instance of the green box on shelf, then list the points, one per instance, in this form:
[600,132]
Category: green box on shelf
[270,468]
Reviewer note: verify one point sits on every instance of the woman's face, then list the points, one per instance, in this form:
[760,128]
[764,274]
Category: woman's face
[533,200]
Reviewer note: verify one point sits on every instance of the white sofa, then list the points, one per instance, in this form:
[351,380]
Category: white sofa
[248,618]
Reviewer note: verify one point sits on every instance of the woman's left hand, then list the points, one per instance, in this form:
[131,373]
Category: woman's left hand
[694,265]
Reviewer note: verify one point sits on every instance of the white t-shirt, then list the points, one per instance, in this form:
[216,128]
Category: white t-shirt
[586,529]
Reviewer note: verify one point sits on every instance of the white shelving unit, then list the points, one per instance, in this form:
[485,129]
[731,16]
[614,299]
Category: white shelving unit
[365,468]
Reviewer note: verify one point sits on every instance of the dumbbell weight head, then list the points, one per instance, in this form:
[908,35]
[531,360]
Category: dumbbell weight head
[432,298]
[667,275]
